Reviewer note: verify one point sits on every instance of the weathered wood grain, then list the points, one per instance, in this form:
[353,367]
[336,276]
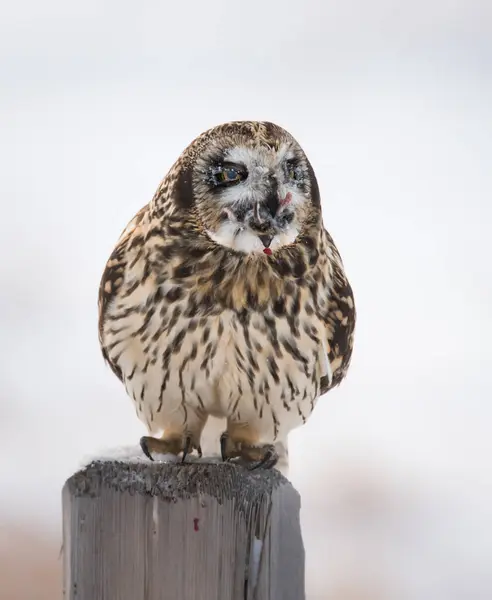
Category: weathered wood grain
[198,531]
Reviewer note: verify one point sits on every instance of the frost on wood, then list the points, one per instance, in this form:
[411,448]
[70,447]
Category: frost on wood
[199,531]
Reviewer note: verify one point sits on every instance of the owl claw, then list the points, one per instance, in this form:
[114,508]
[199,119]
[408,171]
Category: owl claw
[173,445]
[145,448]
[187,448]
[223,446]
[255,456]
[269,459]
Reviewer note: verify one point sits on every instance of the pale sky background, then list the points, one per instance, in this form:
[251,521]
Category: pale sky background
[392,102]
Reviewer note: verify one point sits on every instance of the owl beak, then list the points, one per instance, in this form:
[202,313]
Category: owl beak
[266,240]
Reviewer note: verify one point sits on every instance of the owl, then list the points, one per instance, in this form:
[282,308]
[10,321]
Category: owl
[226,297]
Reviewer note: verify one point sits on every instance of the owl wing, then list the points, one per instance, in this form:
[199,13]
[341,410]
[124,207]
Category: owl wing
[339,319]
[129,244]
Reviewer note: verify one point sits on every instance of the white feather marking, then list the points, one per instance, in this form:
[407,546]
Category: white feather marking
[327,370]
[284,239]
[232,236]
[246,191]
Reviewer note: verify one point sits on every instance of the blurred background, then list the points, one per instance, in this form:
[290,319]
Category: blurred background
[392,102]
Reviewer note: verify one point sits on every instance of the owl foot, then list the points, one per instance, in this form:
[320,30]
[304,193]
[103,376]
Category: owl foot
[173,445]
[263,455]
[254,455]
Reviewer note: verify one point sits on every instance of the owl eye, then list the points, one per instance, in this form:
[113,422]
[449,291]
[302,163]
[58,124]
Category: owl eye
[293,171]
[227,175]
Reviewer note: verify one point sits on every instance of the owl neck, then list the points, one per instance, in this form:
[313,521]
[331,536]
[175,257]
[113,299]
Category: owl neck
[217,277]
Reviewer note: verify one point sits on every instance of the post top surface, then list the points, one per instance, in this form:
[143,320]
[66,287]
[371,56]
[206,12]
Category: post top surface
[175,481]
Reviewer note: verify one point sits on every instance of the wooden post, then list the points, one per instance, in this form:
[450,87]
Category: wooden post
[197,531]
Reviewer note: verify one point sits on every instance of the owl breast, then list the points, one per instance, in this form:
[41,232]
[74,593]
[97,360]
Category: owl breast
[249,366]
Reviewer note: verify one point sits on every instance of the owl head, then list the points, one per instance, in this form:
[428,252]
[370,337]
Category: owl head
[249,185]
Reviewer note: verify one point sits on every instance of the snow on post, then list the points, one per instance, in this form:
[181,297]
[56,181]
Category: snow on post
[197,531]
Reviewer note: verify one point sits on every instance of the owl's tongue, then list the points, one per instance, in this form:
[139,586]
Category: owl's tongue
[267,251]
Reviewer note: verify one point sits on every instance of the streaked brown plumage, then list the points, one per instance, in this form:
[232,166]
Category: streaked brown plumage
[196,320]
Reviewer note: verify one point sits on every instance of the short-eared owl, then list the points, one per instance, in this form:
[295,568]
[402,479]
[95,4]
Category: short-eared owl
[225,296]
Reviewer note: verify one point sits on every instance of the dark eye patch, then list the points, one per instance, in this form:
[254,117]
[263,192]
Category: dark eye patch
[294,171]
[292,162]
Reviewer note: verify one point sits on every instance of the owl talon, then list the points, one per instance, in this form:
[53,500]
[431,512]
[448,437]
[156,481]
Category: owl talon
[229,449]
[173,445]
[145,447]
[267,461]
[255,456]
[223,446]
[187,448]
